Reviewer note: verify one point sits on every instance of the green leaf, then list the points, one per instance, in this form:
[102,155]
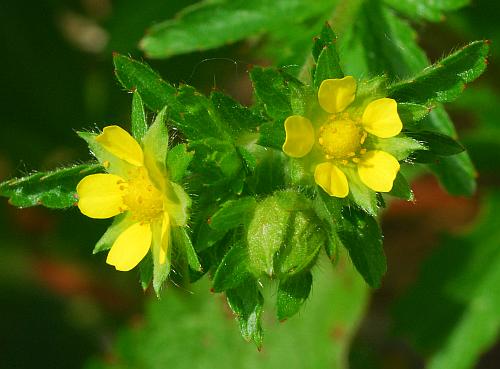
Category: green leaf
[236,116]
[272,134]
[136,76]
[327,58]
[445,80]
[182,240]
[272,92]
[247,303]
[432,10]
[233,269]
[54,189]
[292,293]
[139,123]
[178,160]
[266,233]
[462,278]
[211,24]
[361,236]
[457,174]
[233,213]
[437,143]
[329,210]
[401,188]
[187,109]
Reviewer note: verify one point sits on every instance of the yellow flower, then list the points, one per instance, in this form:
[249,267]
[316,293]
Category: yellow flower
[337,141]
[137,187]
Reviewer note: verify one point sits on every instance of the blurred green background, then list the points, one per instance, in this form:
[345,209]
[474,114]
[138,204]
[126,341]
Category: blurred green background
[62,307]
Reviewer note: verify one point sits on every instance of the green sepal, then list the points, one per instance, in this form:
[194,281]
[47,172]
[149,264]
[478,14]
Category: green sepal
[120,223]
[400,146]
[155,141]
[292,293]
[146,271]
[247,303]
[233,269]
[139,123]
[401,188]
[182,240]
[160,271]
[361,236]
[233,213]
[445,80]
[361,195]
[113,164]
[411,113]
[437,143]
[54,189]
[329,210]
[326,56]
[178,160]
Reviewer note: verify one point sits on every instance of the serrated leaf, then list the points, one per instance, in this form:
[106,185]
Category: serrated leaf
[361,236]
[178,160]
[54,189]
[236,116]
[139,122]
[463,278]
[445,80]
[233,213]
[212,24]
[457,174]
[233,269]
[271,90]
[432,10]
[325,38]
[247,303]
[328,66]
[187,109]
[183,241]
[292,293]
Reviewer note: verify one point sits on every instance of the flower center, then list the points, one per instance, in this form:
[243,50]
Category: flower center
[340,139]
[142,198]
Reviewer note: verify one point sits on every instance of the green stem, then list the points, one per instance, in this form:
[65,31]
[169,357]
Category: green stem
[342,19]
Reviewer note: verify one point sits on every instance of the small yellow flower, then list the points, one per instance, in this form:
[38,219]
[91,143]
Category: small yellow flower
[137,186]
[337,141]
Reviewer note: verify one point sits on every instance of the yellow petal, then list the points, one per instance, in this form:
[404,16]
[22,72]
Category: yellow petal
[130,247]
[100,196]
[299,136]
[335,95]
[165,239]
[331,179]
[121,144]
[381,118]
[377,170]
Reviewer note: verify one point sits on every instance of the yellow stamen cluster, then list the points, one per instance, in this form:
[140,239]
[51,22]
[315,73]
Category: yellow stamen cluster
[141,197]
